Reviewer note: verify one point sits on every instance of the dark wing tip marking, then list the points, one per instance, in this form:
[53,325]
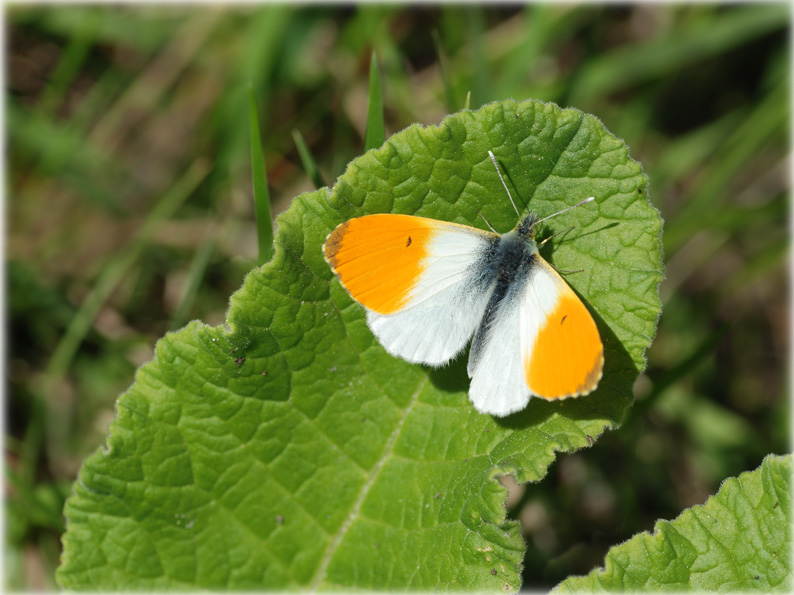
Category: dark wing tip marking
[593,377]
[333,243]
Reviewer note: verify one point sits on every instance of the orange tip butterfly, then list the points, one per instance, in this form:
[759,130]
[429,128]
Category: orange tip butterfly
[428,286]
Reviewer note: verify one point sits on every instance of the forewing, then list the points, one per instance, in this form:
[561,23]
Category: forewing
[424,283]
[566,357]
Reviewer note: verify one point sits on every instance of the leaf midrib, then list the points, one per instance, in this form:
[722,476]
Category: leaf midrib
[370,481]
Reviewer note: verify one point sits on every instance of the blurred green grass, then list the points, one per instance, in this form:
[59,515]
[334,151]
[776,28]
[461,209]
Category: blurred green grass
[130,211]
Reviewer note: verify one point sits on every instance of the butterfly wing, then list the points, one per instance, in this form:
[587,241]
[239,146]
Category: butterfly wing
[539,339]
[566,358]
[424,283]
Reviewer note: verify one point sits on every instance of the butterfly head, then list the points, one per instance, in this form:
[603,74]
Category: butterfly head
[526,227]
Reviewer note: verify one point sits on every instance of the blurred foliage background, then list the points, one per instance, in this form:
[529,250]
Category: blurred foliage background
[129,212]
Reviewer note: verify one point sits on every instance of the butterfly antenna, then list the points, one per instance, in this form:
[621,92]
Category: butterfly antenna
[578,204]
[510,196]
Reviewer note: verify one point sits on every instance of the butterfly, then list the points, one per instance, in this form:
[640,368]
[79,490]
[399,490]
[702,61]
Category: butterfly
[430,286]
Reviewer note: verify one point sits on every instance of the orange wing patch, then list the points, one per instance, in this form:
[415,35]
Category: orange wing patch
[378,258]
[568,356]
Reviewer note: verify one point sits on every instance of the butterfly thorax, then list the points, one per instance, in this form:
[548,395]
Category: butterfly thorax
[507,266]
[515,252]
[507,263]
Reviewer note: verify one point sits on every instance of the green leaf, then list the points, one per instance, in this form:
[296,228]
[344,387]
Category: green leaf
[739,540]
[289,451]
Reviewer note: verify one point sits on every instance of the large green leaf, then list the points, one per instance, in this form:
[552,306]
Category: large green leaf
[290,451]
[739,540]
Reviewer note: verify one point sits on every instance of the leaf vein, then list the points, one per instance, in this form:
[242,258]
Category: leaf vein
[370,481]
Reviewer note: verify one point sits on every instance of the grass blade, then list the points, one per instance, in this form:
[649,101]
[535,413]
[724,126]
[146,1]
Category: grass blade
[480,76]
[309,165]
[376,134]
[116,269]
[264,224]
[695,41]
[449,92]
[70,63]
[195,275]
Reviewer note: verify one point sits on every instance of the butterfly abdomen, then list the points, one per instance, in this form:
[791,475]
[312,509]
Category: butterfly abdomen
[511,270]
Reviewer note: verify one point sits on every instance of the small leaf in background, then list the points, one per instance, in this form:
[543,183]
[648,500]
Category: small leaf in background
[739,540]
[288,450]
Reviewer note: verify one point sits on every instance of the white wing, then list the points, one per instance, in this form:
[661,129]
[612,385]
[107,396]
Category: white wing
[540,340]
[447,301]
[506,339]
